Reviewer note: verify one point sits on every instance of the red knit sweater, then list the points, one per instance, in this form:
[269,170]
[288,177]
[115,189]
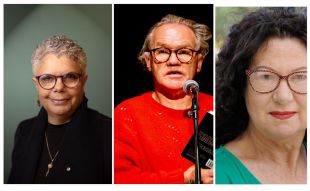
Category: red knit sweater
[149,139]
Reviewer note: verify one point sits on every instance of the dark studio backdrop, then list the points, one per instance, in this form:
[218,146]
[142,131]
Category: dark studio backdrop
[131,25]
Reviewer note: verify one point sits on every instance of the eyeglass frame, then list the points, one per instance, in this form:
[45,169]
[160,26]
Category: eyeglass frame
[60,76]
[175,51]
[249,72]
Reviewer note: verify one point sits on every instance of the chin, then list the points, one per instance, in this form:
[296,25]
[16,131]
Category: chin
[59,110]
[285,131]
[175,85]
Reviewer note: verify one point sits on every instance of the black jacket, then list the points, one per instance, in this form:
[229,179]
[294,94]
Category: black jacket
[87,149]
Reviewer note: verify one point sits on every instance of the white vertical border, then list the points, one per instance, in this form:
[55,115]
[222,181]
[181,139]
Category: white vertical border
[1,93]
[308,27]
[112,6]
[214,91]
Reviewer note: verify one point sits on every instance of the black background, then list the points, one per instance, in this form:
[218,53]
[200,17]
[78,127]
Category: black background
[131,25]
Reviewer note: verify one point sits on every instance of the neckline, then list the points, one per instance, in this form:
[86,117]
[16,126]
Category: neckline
[239,163]
[172,112]
[52,126]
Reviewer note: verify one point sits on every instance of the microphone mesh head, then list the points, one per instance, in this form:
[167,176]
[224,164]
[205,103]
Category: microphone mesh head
[188,84]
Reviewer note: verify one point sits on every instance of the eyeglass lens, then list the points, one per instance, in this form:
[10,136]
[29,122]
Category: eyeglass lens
[183,55]
[48,81]
[266,81]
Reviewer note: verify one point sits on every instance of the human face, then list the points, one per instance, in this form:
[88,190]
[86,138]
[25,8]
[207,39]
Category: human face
[60,101]
[172,74]
[281,113]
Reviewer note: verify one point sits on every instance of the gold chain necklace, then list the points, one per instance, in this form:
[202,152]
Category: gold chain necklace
[50,165]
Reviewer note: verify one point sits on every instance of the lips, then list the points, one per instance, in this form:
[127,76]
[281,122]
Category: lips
[174,72]
[59,101]
[282,115]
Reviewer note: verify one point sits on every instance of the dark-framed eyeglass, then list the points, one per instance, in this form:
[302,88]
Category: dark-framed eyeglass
[266,81]
[163,54]
[48,81]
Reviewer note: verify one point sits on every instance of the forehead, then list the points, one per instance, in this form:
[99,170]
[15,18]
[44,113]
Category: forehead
[173,35]
[57,65]
[281,54]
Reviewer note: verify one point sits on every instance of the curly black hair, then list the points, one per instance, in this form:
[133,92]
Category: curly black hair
[244,40]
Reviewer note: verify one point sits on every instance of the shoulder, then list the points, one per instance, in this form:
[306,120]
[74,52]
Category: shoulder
[98,119]
[205,96]
[132,113]
[25,125]
[95,127]
[135,102]
[97,115]
[230,170]
[224,166]
[223,155]
[27,122]
[206,101]
[24,131]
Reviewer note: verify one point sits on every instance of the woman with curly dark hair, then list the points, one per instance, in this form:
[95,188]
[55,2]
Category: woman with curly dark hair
[261,98]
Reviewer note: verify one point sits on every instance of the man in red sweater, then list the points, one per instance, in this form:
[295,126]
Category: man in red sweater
[151,130]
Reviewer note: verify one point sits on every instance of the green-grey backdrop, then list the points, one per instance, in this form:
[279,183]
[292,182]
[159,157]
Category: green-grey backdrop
[25,26]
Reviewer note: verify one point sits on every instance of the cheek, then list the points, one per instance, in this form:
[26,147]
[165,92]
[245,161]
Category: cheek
[157,71]
[253,102]
[43,93]
[302,102]
[76,93]
[42,96]
[192,69]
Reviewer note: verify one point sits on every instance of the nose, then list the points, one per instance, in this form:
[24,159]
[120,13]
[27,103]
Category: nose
[173,59]
[283,94]
[59,86]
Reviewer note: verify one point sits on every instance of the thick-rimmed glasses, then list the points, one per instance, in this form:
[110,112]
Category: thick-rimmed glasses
[48,81]
[162,54]
[266,81]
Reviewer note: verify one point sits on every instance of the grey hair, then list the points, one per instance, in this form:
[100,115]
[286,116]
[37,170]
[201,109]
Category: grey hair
[201,31]
[59,46]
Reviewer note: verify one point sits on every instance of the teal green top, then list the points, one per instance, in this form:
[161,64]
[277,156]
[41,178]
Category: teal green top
[230,170]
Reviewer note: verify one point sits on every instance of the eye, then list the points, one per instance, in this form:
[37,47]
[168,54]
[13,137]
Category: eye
[46,78]
[185,51]
[162,51]
[299,77]
[71,76]
[264,75]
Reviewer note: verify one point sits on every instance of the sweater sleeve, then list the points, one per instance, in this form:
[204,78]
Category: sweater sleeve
[130,166]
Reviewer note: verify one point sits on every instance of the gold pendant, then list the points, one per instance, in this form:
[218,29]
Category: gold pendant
[49,166]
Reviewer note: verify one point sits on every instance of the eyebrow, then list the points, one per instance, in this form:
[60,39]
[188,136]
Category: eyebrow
[165,45]
[300,68]
[269,68]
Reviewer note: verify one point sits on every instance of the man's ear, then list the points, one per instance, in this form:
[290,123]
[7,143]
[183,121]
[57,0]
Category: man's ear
[147,59]
[199,62]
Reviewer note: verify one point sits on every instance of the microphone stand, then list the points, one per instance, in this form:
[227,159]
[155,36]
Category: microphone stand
[195,115]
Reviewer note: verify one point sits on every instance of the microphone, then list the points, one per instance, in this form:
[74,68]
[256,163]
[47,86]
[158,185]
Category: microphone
[191,87]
